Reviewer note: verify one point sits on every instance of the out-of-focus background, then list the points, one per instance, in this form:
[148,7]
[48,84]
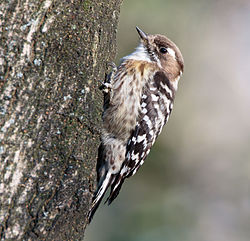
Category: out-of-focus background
[195,184]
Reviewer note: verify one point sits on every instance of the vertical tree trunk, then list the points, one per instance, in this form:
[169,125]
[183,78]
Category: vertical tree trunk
[53,55]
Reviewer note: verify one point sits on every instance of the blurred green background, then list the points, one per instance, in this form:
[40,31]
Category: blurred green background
[195,184]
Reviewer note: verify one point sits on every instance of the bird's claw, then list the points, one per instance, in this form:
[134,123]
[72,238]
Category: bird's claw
[113,66]
[106,87]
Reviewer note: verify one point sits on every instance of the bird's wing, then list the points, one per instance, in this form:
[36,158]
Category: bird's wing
[156,105]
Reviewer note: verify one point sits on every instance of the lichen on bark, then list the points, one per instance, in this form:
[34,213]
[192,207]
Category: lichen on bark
[53,55]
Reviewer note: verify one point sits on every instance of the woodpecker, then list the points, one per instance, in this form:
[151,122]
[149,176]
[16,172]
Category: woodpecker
[138,100]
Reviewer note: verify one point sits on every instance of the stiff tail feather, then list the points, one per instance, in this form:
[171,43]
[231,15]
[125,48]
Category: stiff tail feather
[99,195]
[115,189]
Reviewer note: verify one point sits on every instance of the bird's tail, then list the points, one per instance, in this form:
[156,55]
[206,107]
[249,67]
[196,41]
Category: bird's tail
[99,195]
[115,189]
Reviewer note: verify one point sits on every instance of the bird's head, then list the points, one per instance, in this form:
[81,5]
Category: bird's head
[161,50]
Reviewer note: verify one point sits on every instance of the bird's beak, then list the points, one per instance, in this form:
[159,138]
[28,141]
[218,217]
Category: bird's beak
[142,35]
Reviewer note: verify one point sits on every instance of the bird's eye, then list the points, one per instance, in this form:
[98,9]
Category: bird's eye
[163,50]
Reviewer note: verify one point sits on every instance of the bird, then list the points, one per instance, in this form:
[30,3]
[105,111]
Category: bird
[138,99]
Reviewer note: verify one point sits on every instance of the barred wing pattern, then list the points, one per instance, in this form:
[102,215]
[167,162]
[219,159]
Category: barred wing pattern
[156,106]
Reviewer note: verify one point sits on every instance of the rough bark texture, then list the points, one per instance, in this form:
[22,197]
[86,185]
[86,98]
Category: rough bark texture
[53,54]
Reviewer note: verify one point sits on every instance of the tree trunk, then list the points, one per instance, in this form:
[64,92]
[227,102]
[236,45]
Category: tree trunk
[53,56]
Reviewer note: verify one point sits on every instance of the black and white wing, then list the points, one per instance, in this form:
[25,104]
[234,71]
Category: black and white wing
[156,106]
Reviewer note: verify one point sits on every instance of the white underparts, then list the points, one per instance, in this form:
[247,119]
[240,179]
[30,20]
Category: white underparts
[140,53]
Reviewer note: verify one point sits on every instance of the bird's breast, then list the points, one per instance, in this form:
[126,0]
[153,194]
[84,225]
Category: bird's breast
[125,105]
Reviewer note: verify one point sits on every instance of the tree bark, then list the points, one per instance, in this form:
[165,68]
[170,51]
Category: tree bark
[53,56]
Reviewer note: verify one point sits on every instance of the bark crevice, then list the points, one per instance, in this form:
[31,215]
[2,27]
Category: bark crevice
[53,55]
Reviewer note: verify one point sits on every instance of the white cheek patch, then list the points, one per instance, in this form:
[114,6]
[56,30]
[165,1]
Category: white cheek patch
[171,52]
[175,82]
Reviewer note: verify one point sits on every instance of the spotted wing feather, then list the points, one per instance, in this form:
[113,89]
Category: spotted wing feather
[156,106]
